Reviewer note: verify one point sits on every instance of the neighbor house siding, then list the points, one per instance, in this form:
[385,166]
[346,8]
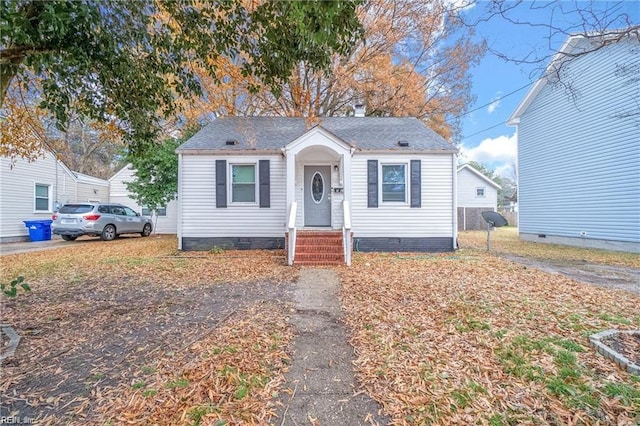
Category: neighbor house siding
[467,184]
[433,219]
[200,217]
[470,205]
[17,186]
[92,192]
[120,194]
[579,151]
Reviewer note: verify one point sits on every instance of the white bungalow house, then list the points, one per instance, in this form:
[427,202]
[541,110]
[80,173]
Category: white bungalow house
[361,183]
[34,190]
[579,147]
[476,194]
[165,219]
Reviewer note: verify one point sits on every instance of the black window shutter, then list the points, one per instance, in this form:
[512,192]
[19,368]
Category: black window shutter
[416,192]
[265,184]
[372,183]
[221,183]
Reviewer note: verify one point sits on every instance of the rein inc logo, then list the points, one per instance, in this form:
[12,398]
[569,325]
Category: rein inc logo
[16,420]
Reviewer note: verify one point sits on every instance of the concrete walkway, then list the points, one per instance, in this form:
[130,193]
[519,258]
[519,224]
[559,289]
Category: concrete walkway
[322,388]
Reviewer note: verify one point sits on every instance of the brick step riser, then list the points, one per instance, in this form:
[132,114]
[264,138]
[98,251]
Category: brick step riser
[319,257]
[318,249]
[318,244]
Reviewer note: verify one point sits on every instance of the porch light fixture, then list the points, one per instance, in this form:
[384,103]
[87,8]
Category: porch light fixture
[336,168]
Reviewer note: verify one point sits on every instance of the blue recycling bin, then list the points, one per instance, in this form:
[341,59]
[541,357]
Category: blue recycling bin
[39,230]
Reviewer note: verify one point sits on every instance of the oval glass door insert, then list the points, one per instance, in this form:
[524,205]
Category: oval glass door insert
[317,187]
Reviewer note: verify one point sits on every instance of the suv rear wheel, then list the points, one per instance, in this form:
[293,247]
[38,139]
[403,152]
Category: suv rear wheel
[108,233]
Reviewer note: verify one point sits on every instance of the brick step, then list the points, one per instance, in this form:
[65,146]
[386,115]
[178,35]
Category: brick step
[317,263]
[318,257]
[318,242]
[313,248]
[320,233]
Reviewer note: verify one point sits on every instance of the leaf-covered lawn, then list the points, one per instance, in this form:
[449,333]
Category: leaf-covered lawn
[471,338]
[135,331]
[132,331]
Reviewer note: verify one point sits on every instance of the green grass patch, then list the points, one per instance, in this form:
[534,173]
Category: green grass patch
[628,394]
[180,383]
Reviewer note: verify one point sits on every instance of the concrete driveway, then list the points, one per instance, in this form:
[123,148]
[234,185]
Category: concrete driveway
[28,246]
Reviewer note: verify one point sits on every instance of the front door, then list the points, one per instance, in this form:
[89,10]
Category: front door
[317,196]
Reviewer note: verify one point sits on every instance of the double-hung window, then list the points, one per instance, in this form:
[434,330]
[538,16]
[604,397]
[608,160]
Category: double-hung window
[243,183]
[480,192]
[394,183]
[42,199]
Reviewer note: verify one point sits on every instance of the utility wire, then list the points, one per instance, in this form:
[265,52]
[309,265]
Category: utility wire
[486,105]
[496,100]
[483,130]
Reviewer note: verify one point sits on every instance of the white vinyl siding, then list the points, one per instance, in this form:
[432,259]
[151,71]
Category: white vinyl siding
[579,157]
[201,217]
[17,186]
[433,219]
[163,224]
[468,185]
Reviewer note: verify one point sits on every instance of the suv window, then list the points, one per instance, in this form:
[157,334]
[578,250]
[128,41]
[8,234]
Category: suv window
[76,208]
[117,210]
[130,211]
[103,209]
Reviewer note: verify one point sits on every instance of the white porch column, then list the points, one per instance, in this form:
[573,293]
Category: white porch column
[346,175]
[290,177]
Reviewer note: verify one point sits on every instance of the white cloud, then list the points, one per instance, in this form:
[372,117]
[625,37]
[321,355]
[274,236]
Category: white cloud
[499,154]
[495,103]
[492,106]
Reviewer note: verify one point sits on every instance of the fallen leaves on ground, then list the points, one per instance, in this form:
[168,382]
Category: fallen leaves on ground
[470,338]
[229,377]
[506,241]
[101,313]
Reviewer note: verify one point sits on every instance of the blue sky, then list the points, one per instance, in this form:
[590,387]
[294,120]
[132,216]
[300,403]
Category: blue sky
[494,78]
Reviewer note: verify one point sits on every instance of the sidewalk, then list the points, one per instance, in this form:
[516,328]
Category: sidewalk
[321,388]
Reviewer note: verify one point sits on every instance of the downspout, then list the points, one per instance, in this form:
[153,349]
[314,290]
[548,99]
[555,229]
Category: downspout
[454,195]
[179,218]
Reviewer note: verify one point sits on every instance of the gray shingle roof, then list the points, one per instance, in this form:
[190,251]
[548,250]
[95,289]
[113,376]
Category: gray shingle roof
[273,133]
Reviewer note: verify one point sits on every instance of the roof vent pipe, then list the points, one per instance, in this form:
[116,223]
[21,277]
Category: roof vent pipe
[358,110]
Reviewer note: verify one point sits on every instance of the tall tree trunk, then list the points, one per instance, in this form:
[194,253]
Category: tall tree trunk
[7,72]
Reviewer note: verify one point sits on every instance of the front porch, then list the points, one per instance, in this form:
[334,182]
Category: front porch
[318,193]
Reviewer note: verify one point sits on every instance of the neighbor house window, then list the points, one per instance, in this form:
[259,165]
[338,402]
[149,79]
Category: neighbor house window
[394,183]
[243,183]
[42,197]
[480,191]
[160,211]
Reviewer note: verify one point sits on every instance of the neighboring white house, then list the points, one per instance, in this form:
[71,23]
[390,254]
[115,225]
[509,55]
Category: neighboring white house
[476,193]
[579,147]
[246,182]
[165,220]
[33,191]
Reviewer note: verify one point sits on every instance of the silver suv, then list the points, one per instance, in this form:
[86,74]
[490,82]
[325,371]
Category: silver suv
[104,220]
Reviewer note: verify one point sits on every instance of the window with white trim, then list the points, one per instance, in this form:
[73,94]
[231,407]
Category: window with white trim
[243,183]
[480,192]
[394,183]
[42,199]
